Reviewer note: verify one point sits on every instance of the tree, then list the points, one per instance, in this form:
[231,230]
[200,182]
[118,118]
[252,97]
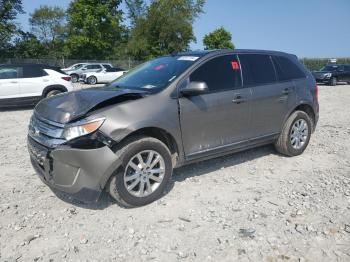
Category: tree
[166,27]
[49,26]
[9,9]
[48,23]
[26,45]
[94,28]
[136,10]
[218,39]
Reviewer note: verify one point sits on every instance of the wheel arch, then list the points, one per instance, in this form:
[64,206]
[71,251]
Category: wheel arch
[157,133]
[53,87]
[309,110]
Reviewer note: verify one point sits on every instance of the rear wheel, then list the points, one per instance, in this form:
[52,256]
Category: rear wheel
[92,80]
[295,135]
[333,81]
[145,171]
[53,93]
[74,77]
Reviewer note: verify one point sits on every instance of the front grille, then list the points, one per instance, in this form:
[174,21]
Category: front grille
[46,132]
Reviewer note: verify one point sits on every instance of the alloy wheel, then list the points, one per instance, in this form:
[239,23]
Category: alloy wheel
[299,134]
[144,173]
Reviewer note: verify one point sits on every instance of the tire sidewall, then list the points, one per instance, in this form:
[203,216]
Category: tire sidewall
[90,78]
[52,93]
[134,148]
[74,78]
[297,116]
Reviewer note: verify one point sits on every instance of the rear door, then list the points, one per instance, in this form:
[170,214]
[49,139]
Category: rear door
[9,87]
[93,68]
[270,97]
[33,81]
[215,121]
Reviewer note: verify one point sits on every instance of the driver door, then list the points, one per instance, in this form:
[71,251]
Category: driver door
[218,120]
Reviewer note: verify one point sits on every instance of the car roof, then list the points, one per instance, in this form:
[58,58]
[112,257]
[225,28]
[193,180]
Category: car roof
[202,53]
[30,65]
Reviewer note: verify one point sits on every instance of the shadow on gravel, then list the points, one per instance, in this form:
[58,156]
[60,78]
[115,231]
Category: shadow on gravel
[207,166]
[13,109]
[180,175]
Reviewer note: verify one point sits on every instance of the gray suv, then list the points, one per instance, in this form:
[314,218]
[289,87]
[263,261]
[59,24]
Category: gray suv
[127,137]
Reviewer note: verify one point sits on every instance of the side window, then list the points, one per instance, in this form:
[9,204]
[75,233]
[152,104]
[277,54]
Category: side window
[93,67]
[33,71]
[257,69]
[347,68]
[287,69]
[9,72]
[106,66]
[221,73]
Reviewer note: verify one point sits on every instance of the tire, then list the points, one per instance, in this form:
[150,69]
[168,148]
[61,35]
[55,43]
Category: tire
[121,179]
[92,80]
[333,81]
[75,78]
[53,93]
[285,144]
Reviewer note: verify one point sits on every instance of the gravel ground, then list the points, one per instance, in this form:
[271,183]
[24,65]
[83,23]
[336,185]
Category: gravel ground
[251,206]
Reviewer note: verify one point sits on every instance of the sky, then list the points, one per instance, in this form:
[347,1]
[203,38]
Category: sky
[307,28]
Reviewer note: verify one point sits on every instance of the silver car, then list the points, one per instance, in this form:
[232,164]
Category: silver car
[127,137]
[85,68]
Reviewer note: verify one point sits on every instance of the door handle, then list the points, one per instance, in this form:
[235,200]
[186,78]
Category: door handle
[13,82]
[238,99]
[286,91]
[46,80]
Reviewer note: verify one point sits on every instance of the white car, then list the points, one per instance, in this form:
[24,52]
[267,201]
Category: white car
[26,84]
[103,76]
[73,67]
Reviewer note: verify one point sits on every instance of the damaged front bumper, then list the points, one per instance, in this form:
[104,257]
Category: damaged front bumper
[80,173]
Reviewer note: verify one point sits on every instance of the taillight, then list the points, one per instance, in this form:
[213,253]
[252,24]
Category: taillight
[67,78]
[316,92]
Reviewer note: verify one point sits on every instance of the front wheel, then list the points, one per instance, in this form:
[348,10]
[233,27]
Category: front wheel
[145,171]
[333,81]
[295,135]
[92,80]
[74,78]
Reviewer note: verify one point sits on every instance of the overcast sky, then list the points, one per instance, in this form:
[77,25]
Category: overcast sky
[307,28]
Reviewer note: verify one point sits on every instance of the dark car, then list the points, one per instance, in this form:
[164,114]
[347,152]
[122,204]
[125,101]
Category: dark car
[332,74]
[127,137]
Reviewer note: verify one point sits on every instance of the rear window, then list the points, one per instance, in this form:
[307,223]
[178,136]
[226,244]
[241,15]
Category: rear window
[257,69]
[221,73]
[286,69]
[33,71]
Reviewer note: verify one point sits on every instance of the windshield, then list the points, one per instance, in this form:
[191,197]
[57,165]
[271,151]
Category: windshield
[155,75]
[330,68]
[77,66]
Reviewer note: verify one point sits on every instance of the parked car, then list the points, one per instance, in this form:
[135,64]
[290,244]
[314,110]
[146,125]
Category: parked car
[103,76]
[332,74]
[128,136]
[26,84]
[73,67]
[85,68]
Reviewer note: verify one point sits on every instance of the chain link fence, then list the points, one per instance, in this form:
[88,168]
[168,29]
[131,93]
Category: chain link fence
[125,64]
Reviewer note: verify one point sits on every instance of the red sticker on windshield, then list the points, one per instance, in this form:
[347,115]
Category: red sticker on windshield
[235,65]
[160,67]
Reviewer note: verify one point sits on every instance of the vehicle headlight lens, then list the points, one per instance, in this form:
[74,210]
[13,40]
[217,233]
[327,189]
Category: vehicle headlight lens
[82,128]
[328,74]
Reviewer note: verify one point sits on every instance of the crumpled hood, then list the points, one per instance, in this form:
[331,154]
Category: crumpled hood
[67,107]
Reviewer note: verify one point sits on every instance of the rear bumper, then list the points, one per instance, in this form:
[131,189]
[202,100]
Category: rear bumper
[80,173]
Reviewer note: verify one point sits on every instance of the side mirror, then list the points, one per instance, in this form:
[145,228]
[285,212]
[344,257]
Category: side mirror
[83,69]
[195,88]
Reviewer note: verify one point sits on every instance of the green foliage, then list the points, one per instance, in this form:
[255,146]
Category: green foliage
[9,9]
[166,27]
[26,45]
[136,10]
[218,39]
[48,23]
[317,63]
[94,28]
